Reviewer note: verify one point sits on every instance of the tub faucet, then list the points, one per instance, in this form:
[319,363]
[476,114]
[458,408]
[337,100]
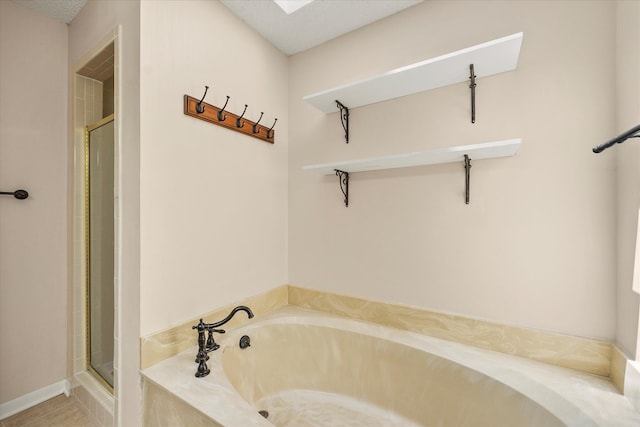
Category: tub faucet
[205,346]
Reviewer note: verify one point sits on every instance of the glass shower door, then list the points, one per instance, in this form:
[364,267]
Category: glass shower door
[100,247]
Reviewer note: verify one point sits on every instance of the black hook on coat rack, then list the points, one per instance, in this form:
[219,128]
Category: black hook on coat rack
[255,126]
[238,124]
[269,133]
[18,194]
[199,107]
[220,116]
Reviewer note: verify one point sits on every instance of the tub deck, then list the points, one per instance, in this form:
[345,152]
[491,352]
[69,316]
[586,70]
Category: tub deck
[575,398]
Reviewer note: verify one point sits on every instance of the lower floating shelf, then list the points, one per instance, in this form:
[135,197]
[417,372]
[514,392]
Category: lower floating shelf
[462,153]
[421,158]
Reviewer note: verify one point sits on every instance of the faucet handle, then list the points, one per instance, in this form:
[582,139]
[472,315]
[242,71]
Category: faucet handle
[211,344]
[201,326]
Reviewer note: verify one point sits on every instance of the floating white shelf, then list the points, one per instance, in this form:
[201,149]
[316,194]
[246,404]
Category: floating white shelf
[464,153]
[421,158]
[489,58]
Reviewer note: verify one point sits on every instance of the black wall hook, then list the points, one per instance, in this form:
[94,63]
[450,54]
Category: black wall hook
[269,133]
[220,116]
[199,107]
[255,126]
[238,124]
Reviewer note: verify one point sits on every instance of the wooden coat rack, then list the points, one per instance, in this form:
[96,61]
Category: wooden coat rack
[219,116]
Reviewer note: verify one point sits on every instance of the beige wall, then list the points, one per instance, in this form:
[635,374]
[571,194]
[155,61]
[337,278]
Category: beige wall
[203,214]
[95,22]
[213,201]
[536,246]
[33,233]
[628,176]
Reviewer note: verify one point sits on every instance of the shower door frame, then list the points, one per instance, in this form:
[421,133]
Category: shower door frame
[96,374]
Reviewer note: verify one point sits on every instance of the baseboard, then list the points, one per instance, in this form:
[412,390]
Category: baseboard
[21,403]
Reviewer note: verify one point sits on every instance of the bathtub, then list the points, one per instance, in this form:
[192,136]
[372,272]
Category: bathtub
[305,368]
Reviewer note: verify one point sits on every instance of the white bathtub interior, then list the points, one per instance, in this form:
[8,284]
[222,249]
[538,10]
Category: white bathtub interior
[285,343]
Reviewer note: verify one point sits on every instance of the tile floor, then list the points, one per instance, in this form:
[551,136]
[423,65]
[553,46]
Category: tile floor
[61,411]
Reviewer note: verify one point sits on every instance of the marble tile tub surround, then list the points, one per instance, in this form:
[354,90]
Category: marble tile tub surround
[618,367]
[163,409]
[632,383]
[159,346]
[582,354]
[575,398]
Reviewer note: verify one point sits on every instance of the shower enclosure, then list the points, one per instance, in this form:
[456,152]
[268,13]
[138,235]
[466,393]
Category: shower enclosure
[99,204]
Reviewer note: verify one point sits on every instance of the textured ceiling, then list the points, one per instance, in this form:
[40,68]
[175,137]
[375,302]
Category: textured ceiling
[313,24]
[309,26]
[60,10]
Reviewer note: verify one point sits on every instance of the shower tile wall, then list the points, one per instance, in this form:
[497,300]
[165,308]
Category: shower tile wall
[108,106]
[88,109]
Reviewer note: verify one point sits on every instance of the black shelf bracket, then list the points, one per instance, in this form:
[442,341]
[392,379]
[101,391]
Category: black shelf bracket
[343,178]
[344,118]
[467,177]
[472,77]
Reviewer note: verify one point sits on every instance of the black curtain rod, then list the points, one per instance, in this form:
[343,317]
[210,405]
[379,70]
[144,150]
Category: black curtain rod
[631,133]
